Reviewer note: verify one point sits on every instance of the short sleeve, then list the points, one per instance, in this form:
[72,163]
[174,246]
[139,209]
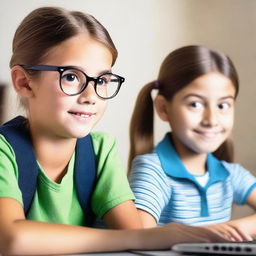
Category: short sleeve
[8,172]
[112,186]
[243,182]
[149,184]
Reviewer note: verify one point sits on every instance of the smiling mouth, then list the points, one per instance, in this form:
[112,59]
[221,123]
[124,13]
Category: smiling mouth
[82,115]
[208,134]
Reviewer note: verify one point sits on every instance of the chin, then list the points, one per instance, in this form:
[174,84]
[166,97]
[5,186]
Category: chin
[208,150]
[204,150]
[79,134]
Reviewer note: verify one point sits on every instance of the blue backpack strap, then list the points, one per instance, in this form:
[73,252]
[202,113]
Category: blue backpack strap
[16,133]
[85,176]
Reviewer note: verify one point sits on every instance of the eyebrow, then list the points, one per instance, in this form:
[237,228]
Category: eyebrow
[98,74]
[202,97]
[105,71]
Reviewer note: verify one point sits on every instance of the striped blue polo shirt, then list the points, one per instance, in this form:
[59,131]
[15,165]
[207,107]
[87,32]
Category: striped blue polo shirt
[165,189]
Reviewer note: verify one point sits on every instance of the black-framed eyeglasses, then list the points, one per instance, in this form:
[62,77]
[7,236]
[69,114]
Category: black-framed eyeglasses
[73,80]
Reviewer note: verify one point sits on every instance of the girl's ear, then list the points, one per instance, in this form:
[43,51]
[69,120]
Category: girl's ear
[161,107]
[21,82]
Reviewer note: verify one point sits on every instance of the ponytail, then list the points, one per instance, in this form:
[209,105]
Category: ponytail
[142,124]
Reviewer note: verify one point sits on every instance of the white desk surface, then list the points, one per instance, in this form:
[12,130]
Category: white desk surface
[138,253]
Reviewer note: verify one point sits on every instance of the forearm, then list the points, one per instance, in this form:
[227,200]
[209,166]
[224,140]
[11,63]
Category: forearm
[166,236]
[38,238]
[31,238]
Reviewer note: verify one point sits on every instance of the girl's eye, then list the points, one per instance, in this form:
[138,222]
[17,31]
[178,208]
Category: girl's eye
[69,77]
[224,106]
[196,105]
[102,81]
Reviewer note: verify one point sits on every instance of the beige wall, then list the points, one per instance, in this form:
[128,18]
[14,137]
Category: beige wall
[144,32]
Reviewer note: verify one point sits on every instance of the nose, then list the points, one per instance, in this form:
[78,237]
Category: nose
[210,117]
[88,95]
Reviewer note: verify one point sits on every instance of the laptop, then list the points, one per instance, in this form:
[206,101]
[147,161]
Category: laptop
[232,248]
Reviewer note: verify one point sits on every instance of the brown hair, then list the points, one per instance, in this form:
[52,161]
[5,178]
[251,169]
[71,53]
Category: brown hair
[46,27]
[178,69]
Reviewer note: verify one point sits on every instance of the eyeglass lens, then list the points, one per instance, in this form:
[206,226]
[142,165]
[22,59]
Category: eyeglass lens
[73,81]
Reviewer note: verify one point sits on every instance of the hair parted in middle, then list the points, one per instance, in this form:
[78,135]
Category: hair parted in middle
[178,70]
[47,27]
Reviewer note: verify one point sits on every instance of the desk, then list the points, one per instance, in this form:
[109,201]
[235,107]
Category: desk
[156,253]
[101,254]
[134,253]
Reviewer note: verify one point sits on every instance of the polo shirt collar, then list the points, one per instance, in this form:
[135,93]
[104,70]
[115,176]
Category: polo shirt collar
[173,166]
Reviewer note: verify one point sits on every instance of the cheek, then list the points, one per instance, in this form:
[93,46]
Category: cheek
[179,123]
[48,91]
[56,102]
[228,121]
[61,103]
[187,119]
[229,124]
[103,107]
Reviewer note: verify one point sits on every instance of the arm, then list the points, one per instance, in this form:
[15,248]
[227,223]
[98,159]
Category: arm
[148,221]
[19,236]
[247,224]
[123,216]
[112,198]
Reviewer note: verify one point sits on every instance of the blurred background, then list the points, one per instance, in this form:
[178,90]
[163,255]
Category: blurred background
[144,32]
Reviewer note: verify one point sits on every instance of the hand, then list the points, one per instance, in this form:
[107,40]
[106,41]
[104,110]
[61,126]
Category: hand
[230,231]
[184,233]
[166,236]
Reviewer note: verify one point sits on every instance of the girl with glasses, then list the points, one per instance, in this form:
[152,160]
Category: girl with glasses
[189,177]
[61,68]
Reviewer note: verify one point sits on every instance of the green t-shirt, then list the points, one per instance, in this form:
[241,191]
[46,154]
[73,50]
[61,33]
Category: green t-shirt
[58,203]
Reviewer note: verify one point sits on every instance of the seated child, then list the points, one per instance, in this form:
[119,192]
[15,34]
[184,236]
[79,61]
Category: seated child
[189,176]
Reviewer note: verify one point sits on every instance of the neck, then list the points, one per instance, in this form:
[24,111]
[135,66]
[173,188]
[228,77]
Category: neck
[53,154]
[195,163]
